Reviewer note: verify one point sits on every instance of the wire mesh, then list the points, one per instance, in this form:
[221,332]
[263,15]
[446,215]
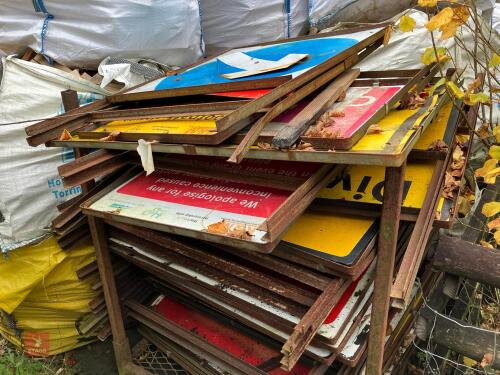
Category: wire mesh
[157,362]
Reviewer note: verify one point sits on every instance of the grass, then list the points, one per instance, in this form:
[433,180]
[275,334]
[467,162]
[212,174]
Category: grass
[13,362]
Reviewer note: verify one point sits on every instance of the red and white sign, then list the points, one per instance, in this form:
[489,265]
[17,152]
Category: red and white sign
[206,192]
[193,202]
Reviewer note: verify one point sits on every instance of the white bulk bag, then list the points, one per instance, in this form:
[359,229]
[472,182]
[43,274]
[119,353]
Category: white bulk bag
[83,33]
[30,187]
[325,13]
[237,23]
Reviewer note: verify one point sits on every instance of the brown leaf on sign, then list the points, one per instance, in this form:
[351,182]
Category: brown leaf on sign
[438,145]
[374,129]
[334,113]
[412,101]
[264,146]
[342,96]
[304,146]
[450,186]
[65,135]
[111,137]
[487,360]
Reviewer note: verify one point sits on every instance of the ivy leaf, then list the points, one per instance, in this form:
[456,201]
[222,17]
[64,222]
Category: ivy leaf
[491,209]
[491,176]
[495,61]
[455,90]
[494,152]
[406,23]
[480,97]
[449,30]
[442,18]
[496,133]
[429,55]
[427,3]
[494,224]
[487,171]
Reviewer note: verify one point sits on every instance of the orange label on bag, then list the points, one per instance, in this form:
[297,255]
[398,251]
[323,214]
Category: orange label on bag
[36,343]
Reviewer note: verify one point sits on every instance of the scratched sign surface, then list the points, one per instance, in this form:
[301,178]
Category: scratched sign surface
[366,183]
[358,107]
[192,202]
[182,124]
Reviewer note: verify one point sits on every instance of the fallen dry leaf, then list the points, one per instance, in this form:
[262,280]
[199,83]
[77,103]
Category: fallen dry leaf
[474,85]
[438,145]
[304,146]
[487,360]
[264,146]
[374,129]
[486,244]
[412,101]
[111,137]
[450,186]
[494,224]
[65,135]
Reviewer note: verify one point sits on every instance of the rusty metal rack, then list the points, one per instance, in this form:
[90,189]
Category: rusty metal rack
[300,285]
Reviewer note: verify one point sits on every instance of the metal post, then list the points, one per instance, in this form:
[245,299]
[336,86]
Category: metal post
[121,345]
[387,243]
[70,102]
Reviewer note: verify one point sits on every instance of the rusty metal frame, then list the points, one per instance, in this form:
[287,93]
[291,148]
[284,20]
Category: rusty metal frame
[230,123]
[391,158]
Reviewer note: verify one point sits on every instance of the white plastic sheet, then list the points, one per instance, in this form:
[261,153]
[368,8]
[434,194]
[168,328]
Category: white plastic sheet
[30,187]
[82,33]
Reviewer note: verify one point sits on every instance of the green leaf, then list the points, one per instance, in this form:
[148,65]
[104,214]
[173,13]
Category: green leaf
[494,152]
[429,55]
[480,97]
[406,23]
[495,61]
[427,3]
[455,90]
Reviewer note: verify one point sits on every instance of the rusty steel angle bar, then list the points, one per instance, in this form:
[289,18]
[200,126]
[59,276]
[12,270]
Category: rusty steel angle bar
[255,84]
[387,241]
[120,341]
[306,329]
[286,103]
[330,94]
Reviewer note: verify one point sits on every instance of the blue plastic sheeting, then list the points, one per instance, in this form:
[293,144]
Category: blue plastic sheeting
[318,50]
